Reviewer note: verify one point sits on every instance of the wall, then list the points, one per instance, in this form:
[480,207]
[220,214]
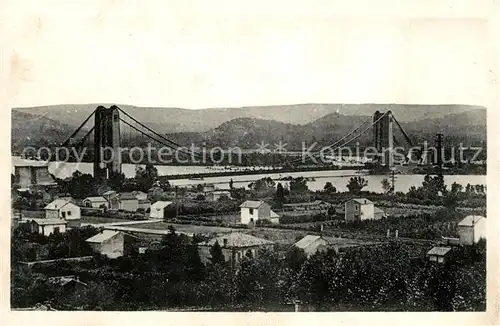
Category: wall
[351,213]
[47,229]
[50,213]
[367,212]
[264,212]
[23,176]
[71,212]
[246,216]
[470,235]
[319,244]
[112,248]
[157,212]
[129,205]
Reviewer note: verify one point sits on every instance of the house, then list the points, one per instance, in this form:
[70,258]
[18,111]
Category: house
[112,244]
[140,195]
[125,201]
[159,208]
[438,254]
[216,194]
[95,202]
[128,202]
[67,283]
[360,209]
[61,208]
[235,246]
[48,226]
[311,244]
[29,174]
[472,229]
[253,210]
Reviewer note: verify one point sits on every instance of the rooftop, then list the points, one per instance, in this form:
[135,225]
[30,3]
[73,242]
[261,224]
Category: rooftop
[471,220]
[49,221]
[103,236]
[57,204]
[439,251]
[98,199]
[306,241]
[161,204]
[237,240]
[252,204]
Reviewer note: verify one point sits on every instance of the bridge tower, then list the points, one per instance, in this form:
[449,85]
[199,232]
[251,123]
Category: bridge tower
[383,137]
[107,154]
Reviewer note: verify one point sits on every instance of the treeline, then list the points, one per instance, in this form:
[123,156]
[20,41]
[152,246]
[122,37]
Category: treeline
[390,277]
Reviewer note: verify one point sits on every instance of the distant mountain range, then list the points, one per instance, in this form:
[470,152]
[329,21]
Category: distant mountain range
[244,127]
[168,120]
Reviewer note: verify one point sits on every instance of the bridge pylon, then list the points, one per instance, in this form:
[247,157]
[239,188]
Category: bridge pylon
[107,153]
[383,137]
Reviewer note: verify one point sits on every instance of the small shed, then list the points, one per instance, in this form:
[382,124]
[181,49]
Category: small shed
[158,209]
[438,254]
[95,202]
[48,226]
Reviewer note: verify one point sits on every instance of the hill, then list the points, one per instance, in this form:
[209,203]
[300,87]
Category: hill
[468,128]
[171,119]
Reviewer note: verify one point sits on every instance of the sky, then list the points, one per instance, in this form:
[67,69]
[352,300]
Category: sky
[199,54]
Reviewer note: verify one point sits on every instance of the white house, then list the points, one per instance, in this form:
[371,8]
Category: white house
[359,209]
[112,244]
[471,229]
[48,226]
[158,209]
[32,173]
[95,202]
[62,209]
[254,210]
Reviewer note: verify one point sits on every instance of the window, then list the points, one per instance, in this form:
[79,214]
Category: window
[56,229]
[69,213]
[356,207]
[251,211]
[63,214]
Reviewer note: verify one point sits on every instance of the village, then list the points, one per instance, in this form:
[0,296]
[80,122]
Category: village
[59,236]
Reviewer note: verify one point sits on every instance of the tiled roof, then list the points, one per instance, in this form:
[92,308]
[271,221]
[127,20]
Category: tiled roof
[127,196]
[252,204]
[57,204]
[237,240]
[470,220]
[378,210]
[49,221]
[439,251]
[103,236]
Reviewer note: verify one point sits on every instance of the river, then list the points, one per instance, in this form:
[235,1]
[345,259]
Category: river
[339,178]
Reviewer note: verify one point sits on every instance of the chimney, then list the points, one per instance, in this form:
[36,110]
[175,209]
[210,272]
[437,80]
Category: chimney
[225,242]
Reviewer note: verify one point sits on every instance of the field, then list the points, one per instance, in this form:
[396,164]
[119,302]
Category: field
[188,228]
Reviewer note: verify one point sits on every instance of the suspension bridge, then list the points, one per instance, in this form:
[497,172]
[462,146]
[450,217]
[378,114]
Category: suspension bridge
[113,130]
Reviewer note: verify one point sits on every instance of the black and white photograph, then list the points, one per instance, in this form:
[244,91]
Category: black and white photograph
[247,157]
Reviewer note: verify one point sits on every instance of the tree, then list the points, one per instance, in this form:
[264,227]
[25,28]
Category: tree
[217,257]
[194,266]
[280,194]
[263,186]
[231,184]
[355,184]
[329,188]
[386,186]
[146,176]
[298,185]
